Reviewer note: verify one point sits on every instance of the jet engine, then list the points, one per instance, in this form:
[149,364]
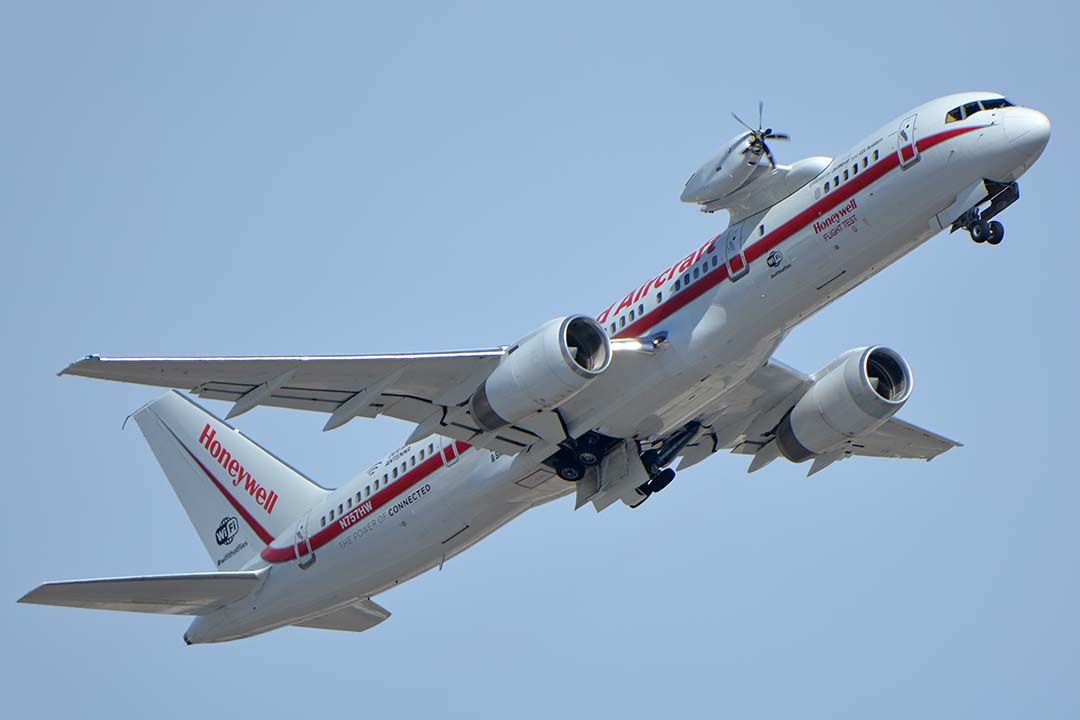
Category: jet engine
[851,396]
[543,370]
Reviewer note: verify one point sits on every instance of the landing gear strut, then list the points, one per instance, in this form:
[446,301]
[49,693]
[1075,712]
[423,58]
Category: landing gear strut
[655,460]
[978,223]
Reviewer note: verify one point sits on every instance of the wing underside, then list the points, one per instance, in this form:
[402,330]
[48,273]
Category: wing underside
[743,422]
[429,389]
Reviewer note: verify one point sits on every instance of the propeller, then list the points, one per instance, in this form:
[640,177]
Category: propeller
[757,145]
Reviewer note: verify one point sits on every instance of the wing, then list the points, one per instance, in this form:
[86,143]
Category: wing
[357,617]
[190,594]
[743,421]
[428,389]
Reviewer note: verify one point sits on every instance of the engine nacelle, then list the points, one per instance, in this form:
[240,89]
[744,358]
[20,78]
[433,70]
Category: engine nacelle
[543,370]
[722,175]
[851,396]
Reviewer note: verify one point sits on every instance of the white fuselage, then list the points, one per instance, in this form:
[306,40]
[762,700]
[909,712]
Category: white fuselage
[747,288]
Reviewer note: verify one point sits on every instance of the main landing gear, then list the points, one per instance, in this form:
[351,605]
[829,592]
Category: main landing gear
[655,460]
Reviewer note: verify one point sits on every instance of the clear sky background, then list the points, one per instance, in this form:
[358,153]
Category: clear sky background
[263,178]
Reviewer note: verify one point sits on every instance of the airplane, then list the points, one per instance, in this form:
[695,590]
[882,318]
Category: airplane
[600,408]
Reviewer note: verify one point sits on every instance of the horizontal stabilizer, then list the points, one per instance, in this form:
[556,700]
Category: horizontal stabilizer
[190,594]
[357,617]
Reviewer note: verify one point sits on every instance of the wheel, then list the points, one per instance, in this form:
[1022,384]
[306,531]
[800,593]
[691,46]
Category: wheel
[996,234]
[570,471]
[662,480]
[587,458]
[979,231]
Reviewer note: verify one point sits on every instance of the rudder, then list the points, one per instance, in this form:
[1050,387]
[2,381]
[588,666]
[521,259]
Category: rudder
[238,495]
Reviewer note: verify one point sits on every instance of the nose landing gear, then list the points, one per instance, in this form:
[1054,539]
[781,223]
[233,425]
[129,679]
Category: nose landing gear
[982,231]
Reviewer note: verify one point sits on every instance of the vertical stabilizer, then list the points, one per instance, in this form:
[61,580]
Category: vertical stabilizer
[238,496]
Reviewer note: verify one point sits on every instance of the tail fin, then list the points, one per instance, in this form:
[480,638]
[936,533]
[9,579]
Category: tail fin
[238,496]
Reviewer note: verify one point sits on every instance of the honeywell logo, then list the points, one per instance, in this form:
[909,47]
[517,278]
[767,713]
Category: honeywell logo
[266,499]
[836,217]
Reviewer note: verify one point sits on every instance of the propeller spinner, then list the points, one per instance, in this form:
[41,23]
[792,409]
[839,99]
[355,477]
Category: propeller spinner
[757,145]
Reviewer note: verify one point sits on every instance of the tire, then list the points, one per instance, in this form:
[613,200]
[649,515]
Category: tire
[996,234]
[662,480]
[980,231]
[587,458]
[571,472]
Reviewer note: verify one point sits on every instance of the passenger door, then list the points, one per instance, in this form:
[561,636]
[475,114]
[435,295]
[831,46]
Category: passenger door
[733,253]
[305,553]
[905,142]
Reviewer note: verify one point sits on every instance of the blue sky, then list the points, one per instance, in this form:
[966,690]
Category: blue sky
[343,178]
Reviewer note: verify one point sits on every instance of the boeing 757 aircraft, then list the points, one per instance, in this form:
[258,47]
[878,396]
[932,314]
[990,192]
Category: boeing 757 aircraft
[599,407]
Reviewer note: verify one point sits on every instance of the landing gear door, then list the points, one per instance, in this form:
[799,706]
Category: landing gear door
[733,252]
[305,553]
[905,142]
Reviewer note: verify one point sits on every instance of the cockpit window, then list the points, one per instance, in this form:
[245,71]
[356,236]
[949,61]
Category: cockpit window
[966,111]
[995,104]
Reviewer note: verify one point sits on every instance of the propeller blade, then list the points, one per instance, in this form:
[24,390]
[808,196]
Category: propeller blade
[768,154]
[760,111]
[740,121]
[780,136]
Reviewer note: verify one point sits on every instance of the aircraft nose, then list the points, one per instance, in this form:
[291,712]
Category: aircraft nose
[1028,131]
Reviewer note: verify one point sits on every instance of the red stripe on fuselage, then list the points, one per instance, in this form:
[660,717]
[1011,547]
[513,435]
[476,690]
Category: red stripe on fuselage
[381,498]
[770,240]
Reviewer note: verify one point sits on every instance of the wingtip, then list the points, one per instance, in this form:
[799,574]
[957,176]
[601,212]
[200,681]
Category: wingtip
[72,367]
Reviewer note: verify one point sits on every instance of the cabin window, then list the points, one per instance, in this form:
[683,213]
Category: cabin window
[705,266]
[836,181]
[686,279]
[367,491]
[421,453]
[358,497]
[826,188]
[612,328]
[678,284]
[350,502]
[761,230]
[876,156]
[714,261]
[865,161]
[323,521]
[845,176]
[340,509]
[431,449]
[641,309]
[659,297]
[622,321]
[697,273]
[412,461]
[394,473]
[331,515]
[855,169]
[403,468]
[631,316]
